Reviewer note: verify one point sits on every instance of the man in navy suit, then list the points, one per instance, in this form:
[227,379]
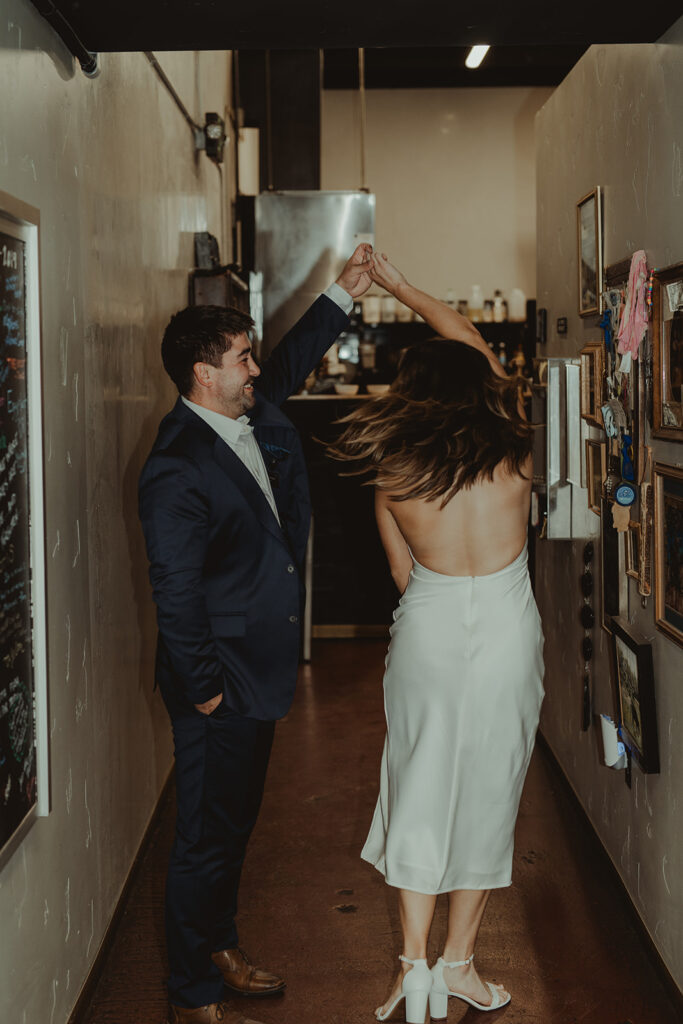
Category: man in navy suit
[225,511]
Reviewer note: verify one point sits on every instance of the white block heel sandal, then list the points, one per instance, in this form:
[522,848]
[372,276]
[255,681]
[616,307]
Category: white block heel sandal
[438,997]
[415,990]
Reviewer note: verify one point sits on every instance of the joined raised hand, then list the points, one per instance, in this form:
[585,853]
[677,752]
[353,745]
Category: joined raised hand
[355,277]
[385,273]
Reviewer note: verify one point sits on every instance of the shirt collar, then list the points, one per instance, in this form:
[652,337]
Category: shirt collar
[231,431]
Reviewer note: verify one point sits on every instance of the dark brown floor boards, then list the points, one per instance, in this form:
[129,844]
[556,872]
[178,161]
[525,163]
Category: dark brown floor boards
[560,938]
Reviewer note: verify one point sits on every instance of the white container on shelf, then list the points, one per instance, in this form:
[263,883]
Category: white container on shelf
[388,308]
[517,305]
[476,303]
[372,308]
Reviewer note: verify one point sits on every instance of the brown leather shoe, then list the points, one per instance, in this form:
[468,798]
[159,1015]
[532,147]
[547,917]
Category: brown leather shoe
[239,975]
[217,1013]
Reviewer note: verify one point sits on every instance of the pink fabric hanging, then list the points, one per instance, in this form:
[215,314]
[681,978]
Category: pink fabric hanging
[634,314]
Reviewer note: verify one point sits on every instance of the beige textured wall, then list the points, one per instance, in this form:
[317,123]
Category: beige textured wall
[110,164]
[453,171]
[616,121]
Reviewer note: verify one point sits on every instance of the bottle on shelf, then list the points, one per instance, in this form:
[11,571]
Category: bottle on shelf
[498,307]
[502,355]
[463,307]
[487,314]
[450,298]
[476,304]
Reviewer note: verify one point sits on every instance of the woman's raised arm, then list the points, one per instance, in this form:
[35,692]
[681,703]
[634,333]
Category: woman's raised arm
[445,321]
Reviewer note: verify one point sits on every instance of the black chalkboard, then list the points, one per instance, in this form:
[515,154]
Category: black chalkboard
[17,716]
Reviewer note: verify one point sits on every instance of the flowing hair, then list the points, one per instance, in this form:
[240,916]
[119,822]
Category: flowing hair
[447,421]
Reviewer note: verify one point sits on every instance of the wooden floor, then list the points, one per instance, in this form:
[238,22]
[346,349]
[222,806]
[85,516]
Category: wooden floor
[560,938]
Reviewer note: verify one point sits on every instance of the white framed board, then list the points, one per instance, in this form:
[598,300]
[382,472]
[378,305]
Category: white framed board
[24,755]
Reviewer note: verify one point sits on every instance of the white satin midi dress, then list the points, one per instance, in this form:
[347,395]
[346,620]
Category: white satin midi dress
[462,694]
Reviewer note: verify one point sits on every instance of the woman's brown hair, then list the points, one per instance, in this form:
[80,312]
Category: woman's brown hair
[447,420]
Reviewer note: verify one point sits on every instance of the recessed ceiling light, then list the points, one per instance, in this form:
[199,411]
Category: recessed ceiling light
[476,56]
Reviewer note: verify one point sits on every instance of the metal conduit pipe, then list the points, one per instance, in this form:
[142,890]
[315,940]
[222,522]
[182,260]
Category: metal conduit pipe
[197,131]
[90,62]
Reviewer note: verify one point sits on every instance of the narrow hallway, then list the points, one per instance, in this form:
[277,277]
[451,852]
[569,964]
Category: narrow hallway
[560,939]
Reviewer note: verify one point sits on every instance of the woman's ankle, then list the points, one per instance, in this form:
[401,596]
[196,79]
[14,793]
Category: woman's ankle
[458,956]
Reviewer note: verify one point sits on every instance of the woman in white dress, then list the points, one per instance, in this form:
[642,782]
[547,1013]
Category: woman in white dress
[449,452]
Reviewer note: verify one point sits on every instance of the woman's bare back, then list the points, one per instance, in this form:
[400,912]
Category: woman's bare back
[480,530]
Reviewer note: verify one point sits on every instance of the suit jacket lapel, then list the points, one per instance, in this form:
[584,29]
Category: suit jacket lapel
[242,478]
[234,467]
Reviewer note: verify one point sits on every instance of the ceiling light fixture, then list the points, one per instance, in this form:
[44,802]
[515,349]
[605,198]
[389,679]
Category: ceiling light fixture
[476,56]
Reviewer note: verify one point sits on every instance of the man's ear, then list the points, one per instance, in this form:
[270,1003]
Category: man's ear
[202,375]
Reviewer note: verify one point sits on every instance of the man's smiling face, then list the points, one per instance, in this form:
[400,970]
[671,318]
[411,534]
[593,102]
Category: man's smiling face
[232,383]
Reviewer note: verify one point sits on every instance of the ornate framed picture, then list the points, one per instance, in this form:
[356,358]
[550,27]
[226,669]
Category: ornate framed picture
[646,502]
[592,387]
[636,695]
[589,229]
[596,470]
[668,488]
[667,353]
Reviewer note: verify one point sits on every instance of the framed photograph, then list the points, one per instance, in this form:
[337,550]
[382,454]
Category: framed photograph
[589,227]
[633,551]
[592,387]
[636,695]
[667,352]
[610,569]
[668,529]
[596,470]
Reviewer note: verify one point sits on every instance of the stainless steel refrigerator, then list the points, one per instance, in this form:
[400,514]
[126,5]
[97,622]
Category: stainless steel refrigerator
[303,240]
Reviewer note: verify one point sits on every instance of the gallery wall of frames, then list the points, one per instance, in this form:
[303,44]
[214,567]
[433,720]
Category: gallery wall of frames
[631,392]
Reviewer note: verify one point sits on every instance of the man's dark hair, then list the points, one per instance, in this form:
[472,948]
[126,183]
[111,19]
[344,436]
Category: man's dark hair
[200,334]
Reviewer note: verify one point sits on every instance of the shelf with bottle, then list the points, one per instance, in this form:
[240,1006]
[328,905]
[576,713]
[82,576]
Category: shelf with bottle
[368,354]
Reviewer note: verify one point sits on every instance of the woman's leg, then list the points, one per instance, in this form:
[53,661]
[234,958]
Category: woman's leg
[416,911]
[465,912]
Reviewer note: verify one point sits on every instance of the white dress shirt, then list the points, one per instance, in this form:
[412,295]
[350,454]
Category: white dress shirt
[239,434]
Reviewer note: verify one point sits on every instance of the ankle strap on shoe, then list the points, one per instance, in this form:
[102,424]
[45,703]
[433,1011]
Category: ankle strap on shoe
[407,960]
[458,963]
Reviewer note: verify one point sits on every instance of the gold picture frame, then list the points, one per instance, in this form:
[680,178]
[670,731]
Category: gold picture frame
[668,530]
[667,353]
[632,553]
[589,237]
[596,471]
[592,383]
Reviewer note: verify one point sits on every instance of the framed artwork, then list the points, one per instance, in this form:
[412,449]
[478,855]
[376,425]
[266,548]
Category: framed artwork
[633,550]
[589,229]
[577,429]
[24,737]
[596,470]
[668,530]
[636,695]
[667,352]
[592,375]
[609,568]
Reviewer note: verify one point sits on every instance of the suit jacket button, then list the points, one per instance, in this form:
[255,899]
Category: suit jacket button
[290,568]
[293,618]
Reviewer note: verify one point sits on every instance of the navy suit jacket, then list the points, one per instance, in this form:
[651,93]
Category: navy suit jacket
[226,577]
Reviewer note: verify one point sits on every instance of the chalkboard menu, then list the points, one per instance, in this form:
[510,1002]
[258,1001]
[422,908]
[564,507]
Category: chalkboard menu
[17,713]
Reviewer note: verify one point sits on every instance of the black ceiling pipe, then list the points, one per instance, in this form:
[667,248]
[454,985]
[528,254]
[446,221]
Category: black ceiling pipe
[89,61]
